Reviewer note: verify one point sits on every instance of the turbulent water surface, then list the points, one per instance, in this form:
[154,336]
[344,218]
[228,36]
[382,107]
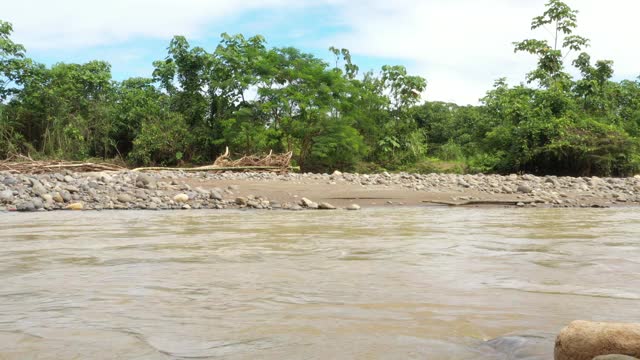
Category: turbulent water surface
[427,283]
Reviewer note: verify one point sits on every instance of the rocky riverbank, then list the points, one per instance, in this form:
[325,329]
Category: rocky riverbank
[204,190]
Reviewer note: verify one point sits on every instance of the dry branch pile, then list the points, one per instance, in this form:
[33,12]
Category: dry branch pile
[279,162]
[21,164]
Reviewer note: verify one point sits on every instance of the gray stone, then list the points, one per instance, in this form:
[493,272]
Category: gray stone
[57,197]
[125,198]
[66,196]
[507,190]
[37,203]
[215,195]
[68,179]
[9,180]
[26,206]
[525,189]
[38,189]
[306,202]
[326,206]
[6,197]
[353,207]
[146,181]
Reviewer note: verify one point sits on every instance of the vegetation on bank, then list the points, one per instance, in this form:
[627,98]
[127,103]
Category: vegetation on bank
[253,98]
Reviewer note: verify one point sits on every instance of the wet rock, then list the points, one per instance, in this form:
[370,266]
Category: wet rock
[529,347]
[585,340]
[6,197]
[326,206]
[353,207]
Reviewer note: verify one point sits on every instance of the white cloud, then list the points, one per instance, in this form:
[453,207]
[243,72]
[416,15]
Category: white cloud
[63,24]
[460,46]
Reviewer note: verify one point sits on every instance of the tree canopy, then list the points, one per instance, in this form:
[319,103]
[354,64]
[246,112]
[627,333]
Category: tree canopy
[254,98]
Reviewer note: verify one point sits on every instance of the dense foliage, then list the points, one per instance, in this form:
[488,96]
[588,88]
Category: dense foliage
[253,98]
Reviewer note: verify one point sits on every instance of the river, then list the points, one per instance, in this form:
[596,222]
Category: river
[384,283]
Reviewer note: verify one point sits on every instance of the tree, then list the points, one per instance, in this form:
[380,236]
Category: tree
[562,20]
[11,61]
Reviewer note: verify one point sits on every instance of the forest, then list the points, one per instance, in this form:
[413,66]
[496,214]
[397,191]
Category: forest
[253,98]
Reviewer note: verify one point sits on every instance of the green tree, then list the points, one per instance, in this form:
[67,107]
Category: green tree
[560,20]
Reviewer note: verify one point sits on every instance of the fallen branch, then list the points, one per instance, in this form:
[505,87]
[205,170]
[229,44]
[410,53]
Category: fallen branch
[478,202]
[28,166]
[218,168]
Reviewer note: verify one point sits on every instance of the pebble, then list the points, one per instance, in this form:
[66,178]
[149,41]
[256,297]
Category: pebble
[125,190]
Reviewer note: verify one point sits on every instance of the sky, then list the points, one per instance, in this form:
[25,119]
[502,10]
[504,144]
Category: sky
[460,46]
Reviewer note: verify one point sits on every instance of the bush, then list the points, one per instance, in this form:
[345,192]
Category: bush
[162,141]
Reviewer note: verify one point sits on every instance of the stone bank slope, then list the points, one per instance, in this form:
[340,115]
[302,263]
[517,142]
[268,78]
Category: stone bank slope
[202,190]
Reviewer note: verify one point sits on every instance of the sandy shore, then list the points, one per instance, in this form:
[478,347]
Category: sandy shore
[197,190]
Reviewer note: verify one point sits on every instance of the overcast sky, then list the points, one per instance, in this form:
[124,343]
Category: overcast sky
[460,46]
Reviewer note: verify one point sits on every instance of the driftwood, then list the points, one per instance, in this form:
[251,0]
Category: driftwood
[21,164]
[281,161]
[270,163]
[217,168]
[478,202]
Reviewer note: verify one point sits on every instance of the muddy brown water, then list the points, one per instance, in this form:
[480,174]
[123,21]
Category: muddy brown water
[392,283]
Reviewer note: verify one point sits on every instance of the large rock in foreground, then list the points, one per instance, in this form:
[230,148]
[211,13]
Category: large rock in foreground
[584,340]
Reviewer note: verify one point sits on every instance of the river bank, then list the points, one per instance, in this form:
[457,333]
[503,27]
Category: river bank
[206,190]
